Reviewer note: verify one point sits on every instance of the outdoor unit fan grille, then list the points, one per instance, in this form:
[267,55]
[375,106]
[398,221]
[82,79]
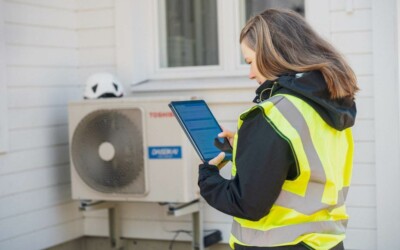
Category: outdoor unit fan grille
[107,151]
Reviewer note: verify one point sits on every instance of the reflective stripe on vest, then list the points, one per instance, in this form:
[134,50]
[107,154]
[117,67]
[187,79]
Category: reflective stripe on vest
[309,200]
[290,233]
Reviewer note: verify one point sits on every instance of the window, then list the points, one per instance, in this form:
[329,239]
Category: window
[251,8]
[170,39]
[190,34]
[189,28]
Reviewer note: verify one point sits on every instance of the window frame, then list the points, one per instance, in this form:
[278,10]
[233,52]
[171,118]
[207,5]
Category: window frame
[3,87]
[226,66]
[161,43]
[148,68]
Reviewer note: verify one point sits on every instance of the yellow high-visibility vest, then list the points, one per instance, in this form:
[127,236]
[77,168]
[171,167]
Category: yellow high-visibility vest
[311,208]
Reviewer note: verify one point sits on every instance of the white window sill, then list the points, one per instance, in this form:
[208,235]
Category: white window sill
[168,85]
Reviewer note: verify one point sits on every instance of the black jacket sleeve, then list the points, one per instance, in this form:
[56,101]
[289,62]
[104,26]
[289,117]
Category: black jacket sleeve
[263,161]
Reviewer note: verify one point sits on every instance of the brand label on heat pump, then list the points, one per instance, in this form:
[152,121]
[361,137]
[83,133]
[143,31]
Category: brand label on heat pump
[165,152]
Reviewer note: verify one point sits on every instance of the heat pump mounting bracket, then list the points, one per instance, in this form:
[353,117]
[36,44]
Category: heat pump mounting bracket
[114,222]
[195,208]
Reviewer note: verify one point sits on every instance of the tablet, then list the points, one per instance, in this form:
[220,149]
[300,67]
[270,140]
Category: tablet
[200,126]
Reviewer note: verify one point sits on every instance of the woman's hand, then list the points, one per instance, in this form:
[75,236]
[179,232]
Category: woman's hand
[218,161]
[227,134]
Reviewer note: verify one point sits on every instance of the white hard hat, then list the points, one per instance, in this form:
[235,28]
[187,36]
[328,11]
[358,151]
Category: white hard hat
[103,85]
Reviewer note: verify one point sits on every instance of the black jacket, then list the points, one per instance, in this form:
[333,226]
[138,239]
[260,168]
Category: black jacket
[263,159]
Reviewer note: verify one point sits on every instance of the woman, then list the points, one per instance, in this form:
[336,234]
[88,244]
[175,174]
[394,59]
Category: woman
[293,151]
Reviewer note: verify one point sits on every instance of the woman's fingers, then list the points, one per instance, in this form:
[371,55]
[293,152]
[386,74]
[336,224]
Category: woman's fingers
[226,133]
[217,160]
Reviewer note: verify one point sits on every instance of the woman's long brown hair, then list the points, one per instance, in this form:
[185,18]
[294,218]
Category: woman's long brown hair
[285,43]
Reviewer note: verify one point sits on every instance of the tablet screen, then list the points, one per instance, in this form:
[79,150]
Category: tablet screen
[200,125]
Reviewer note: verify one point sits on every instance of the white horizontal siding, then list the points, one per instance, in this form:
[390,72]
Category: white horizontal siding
[364,239]
[38,137]
[25,76]
[361,63]
[23,118]
[34,15]
[358,42]
[364,152]
[96,18]
[41,36]
[39,178]
[364,174]
[96,36]
[360,129]
[34,200]
[365,108]
[41,56]
[351,32]
[100,37]
[94,4]
[366,86]
[362,196]
[340,5]
[34,221]
[46,237]
[359,20]
[38,158]
[43,97]
[97,56]
[63,5]
[36,210]
[362,218]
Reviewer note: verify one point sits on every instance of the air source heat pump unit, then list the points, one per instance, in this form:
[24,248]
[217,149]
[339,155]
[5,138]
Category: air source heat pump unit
[130,149]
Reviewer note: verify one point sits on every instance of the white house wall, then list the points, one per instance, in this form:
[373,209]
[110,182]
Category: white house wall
[3,87]
[96,37]
[36,210]
[387,144]
[351,33]
[53,46]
